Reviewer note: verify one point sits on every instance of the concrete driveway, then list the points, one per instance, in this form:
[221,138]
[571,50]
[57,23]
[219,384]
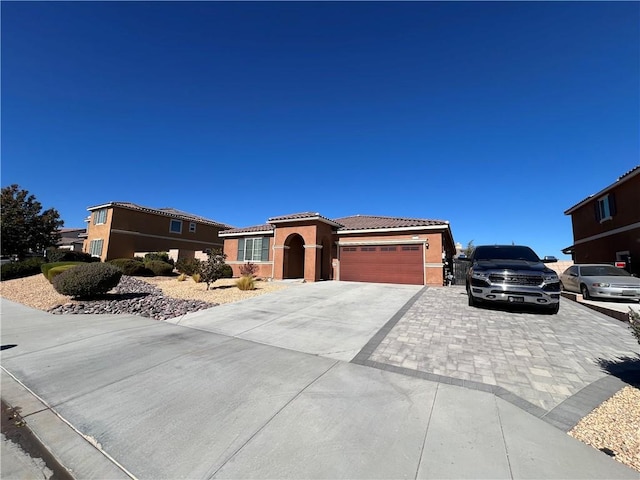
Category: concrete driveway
[331,319]
[128,397]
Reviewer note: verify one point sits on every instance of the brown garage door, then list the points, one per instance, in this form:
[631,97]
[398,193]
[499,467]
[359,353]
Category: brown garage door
[382,264]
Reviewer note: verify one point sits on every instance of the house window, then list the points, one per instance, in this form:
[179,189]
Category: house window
[95,248]
[367,249]
[192,227]
[100,216]
[253,249]
[175,226]
[388,249]
[605,208]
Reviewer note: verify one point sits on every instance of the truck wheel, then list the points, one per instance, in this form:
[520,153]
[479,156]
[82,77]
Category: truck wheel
[472,301]
[554,309]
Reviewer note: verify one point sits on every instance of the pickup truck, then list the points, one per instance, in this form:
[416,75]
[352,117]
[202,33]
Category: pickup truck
[512,274]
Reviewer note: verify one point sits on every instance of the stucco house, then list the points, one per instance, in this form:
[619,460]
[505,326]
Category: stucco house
[71,239]
[357,248]
[606,225]
[122,230]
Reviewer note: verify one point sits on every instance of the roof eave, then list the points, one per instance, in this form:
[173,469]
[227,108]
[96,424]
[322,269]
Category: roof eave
[393,229]
[240,234]
[620,181]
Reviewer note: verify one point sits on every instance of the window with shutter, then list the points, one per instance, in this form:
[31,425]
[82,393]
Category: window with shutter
[605,208]
[253,249]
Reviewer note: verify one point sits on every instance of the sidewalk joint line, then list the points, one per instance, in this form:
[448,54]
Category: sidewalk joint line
[91,441]
[271,419]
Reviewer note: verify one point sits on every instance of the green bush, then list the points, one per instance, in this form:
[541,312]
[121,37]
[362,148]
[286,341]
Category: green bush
[159,257]
[55,271]
[159,268]
[246,283]
[226,271]
[131,267]
[87,280]
[45,267]
[188,266]
[63,255]
[25,268]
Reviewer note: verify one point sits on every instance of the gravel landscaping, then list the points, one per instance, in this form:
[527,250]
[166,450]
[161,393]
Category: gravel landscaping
[159,298]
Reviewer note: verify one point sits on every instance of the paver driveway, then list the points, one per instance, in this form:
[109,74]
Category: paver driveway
[544,359]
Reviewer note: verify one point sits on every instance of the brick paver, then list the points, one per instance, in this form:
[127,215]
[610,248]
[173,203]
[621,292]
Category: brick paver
[543,359]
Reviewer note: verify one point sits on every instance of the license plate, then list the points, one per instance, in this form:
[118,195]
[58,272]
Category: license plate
[516,299]
[629,293]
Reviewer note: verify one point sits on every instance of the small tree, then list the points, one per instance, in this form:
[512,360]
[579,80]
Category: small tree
[213,268]
[469,248]
[24,228]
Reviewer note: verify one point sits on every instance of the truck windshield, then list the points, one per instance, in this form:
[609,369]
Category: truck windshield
[508,252]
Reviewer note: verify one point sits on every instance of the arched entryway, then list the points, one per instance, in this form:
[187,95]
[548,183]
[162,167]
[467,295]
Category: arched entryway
[294,256]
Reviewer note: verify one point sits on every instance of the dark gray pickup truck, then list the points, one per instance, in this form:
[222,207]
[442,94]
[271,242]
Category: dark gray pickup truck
[512,274]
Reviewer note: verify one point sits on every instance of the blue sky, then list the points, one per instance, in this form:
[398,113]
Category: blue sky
[494,116]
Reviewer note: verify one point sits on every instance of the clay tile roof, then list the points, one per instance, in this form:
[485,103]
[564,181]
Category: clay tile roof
[294,216]
[256,228]
[168,212]
[363,222]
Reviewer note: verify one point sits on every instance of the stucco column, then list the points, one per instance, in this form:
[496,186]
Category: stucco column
[312,262]
[278,261]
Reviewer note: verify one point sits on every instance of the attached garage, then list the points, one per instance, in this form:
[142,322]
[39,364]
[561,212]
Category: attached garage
[383,264]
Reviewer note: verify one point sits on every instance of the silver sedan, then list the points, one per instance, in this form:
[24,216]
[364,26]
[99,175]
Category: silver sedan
[600,281]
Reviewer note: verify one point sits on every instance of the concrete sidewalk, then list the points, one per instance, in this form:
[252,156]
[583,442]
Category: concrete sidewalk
[128,397]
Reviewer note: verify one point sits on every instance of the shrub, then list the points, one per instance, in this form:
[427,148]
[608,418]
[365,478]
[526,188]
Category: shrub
[188,266]
[226,271]
[196,277]
[159,257]
[182,277]
[248,269]
[63,255]
[46,267]
[24,268]
[246,283]
[131,267]
[87,280]
[55,271]
[634,323]
[159,268]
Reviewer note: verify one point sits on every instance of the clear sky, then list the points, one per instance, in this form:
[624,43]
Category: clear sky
[494,116]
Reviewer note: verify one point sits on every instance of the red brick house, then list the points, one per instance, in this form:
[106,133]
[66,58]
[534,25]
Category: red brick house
[606,225]
[357,248]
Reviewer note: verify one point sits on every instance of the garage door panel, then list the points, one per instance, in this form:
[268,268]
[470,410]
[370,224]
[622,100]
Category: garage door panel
[382,264]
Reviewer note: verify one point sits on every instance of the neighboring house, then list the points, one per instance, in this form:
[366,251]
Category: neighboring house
[606,225]
[121,229]
[357,248]
[72,239]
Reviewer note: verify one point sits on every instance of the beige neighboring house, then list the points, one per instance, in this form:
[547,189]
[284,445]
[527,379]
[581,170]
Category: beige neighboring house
[122,230]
